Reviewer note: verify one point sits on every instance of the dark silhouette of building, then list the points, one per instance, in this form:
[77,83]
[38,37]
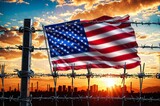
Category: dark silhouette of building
[59,88]
[64,88]
[69,89]
[94,88]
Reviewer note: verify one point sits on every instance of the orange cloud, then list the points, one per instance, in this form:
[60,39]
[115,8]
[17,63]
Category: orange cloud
[141,37]
[117,8]
[39,55]
[11,38]
[16,1]
[40,40]
[8,55]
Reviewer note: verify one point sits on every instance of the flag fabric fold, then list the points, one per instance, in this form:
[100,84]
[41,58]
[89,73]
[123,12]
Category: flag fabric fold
[105,42]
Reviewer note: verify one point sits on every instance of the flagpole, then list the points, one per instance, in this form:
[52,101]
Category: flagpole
[49,59]
[88,77]
[73,76]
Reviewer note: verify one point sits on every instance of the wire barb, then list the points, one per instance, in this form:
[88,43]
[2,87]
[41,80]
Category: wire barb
[33,30]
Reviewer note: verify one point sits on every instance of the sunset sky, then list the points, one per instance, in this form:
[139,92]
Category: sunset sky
[45,12]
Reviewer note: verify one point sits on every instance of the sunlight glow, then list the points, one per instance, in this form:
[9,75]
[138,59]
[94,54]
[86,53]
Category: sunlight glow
[110,82]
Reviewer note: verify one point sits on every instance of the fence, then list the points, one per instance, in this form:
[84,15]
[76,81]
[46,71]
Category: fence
[25,99]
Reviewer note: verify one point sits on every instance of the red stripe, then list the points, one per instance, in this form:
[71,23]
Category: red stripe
[98,58]
[78,67]
[116,48]
[110,38]
[101,30]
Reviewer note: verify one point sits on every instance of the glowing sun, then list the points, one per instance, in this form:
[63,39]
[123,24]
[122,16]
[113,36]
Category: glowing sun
[110,82]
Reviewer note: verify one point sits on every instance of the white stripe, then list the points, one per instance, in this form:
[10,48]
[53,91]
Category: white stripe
[99,25]
[114,43]
[108,34]
[79,63]
[96,53]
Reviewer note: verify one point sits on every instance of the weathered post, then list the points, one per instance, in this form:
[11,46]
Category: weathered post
[26,62]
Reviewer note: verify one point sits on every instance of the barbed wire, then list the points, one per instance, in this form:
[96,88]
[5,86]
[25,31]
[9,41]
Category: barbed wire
[18,99]
[93,75]
[21,29]
[20,47]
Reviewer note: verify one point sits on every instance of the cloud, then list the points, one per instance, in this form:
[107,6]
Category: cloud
[39,40]
[39,55]
[117,8]
[149,12]
[52,0]
[67,13]
[39,19]
[15,1]
[52,17]
[13,20]
[88,4]
[9,55]
[1,14]
[11,38]
[36,24]
[46,5]
[141,36]
[3,28]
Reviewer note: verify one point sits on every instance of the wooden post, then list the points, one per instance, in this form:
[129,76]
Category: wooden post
[26,62]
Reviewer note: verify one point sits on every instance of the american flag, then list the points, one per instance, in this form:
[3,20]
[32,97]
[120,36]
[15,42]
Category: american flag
[109,44]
